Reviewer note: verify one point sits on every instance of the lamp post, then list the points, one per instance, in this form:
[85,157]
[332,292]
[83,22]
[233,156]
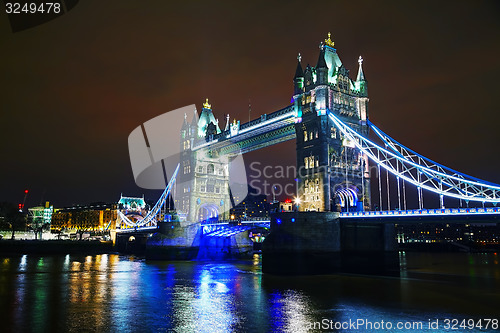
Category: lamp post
[297,202]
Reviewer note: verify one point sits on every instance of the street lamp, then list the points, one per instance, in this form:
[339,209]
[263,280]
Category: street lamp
[297,202]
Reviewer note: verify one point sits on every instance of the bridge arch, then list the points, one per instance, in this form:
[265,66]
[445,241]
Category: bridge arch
[208,211]
[348,197]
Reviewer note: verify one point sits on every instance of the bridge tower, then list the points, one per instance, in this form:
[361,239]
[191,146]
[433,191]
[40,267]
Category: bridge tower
[202,190]
[331,172]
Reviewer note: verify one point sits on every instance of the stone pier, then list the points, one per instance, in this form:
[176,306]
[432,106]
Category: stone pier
[303,243]
[175,241]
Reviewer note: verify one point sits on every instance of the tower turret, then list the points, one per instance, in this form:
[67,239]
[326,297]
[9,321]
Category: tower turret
[298,79]
[321,68]
[185,135]
[308,78]
[206,118]
[360,80]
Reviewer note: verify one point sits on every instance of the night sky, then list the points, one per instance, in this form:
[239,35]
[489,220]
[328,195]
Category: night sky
[74,88]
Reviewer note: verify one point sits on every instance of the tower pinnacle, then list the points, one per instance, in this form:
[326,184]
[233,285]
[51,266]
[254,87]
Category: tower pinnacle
[206,105]
[361,75]
[328,41]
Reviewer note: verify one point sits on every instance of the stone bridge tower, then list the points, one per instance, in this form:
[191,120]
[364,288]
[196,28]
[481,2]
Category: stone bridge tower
[202,191]
[332,173]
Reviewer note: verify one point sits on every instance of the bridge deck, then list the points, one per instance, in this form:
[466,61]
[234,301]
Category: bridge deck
[414,214]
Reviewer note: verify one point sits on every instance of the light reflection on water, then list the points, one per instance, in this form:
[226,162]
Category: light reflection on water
[112,293]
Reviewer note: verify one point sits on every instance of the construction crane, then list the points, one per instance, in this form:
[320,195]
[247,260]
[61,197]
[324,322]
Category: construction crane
[21,206]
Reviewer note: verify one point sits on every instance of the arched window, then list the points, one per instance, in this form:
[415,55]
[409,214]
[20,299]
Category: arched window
[210,169]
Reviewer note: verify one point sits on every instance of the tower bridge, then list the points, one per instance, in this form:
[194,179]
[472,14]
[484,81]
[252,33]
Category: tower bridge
[329,120]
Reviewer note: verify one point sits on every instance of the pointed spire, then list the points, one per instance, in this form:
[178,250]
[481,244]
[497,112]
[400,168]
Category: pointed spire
[321,60]
[361,75]
[184,123]
[194,122]
[299,72]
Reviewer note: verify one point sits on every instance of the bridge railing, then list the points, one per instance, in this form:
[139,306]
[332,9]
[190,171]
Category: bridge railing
[255,122]
[420,174]
[420,212]
[237,221]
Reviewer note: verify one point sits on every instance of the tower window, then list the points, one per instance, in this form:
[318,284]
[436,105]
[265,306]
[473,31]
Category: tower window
[305,135]
[210,169]
[333,131]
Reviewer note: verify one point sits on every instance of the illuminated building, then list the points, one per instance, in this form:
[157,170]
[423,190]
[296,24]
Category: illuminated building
[133,208]
[253,205]
[467,233]
[93,217]
[41,215]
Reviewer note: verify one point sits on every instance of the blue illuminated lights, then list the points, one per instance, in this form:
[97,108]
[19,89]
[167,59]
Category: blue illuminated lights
[416,212]
[278,221]
[293,219]
[420,171]
[150,218]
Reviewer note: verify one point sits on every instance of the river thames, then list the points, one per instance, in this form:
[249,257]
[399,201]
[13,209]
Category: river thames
[116,293]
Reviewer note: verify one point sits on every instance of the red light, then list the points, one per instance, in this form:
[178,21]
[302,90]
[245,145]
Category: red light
[26,191]
[288,201]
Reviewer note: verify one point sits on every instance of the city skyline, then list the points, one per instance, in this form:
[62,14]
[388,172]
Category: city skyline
[73,92]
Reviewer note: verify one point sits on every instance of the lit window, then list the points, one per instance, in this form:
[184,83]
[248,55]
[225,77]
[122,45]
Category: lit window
[316,134]
[311,136]
[311,161]
[305,135]
[210,169]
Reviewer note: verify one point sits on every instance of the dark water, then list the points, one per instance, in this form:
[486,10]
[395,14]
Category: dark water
[114,293]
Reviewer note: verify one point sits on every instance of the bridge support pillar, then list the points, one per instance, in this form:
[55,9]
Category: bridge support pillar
[174,242]
[369,248]
[230,247]
[306,243]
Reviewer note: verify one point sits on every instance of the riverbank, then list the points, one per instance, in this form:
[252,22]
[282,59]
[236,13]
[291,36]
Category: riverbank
[449,247]
[55,247]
